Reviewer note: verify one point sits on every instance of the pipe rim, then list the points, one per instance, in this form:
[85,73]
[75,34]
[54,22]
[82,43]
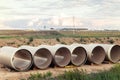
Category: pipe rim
[49,61]
[66,60]
[117,56]
[83,52]
[28,66]
[96,53]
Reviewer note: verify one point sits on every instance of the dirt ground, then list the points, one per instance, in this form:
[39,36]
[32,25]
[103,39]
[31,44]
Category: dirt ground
[36,42]
[6,74]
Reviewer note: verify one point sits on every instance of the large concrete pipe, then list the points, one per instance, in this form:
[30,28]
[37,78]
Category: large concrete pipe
[19,59]
[96,53]
[42,57]
[112,52]
[61,54]
[78,54]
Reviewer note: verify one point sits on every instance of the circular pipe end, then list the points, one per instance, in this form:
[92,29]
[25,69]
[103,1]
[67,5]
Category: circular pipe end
[115,54]
[22,60]
[79,56]
[42,58]
[98,55]
[62,57]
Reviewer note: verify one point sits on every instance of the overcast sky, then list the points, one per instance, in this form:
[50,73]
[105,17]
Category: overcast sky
[34,14]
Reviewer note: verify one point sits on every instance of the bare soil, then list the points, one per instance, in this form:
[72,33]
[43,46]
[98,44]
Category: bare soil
[36,42]
[7,74]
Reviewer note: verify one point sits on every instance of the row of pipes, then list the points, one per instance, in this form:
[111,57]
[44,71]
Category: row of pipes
[24,57]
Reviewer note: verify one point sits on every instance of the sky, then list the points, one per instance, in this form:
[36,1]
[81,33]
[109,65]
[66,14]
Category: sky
[35,14]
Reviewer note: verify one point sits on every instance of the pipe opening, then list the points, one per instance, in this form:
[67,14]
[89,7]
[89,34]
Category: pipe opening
[115,53]
[79,56]
[22,60]
[42,58]
[62,57]
[98,55]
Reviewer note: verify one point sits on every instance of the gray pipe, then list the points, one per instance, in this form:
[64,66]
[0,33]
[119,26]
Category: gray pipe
[96,53]
[112,52]
[78,54]
[61,54]
[42,57]
[18,59]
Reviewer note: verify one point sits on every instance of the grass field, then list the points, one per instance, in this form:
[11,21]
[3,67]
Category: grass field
[56,34]
[17,38]
[91,33]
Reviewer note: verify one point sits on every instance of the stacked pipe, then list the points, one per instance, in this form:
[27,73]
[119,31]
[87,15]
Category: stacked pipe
[24,57]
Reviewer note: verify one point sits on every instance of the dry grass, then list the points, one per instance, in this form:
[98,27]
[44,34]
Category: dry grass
[18,37]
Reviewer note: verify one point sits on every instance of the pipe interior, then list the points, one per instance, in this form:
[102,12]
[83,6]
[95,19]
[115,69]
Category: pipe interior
[22,60]
[43,58]
[62,57]
[98,55]
[79,56]
[115,53]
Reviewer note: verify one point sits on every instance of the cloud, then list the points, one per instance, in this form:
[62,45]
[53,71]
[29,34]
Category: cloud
[3,26]
[70,22]
[37,13]
[58,22]
[79,8]
[109,8]
[4,8]
[20,23]
[34,22]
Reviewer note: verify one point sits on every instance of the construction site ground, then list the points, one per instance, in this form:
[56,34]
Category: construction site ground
[8,74]
[33,38]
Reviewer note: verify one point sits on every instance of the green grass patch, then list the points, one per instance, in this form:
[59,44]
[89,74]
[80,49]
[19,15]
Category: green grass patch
[112,74]
[8,37]
[59,34]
